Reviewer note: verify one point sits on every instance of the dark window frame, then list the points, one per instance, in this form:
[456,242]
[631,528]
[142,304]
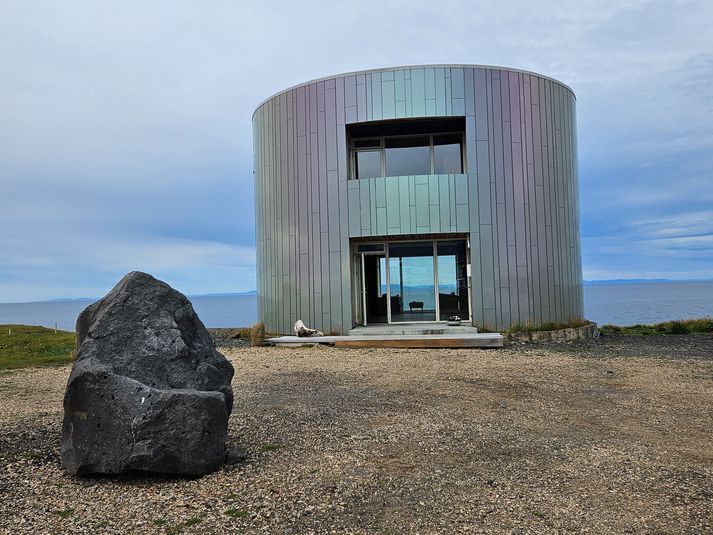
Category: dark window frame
[353,150]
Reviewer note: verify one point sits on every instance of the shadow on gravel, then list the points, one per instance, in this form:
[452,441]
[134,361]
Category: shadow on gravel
[31,441]
[35,443]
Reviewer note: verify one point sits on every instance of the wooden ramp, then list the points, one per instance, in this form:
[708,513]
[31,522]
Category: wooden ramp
[404,340]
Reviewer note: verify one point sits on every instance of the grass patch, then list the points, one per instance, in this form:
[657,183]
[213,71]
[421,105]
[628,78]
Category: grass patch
[66,513]
[235,513]
[192,521]
[189,522]
[693,326]
[245,332]
[270,447]
[549,326]
[22,346]
[257,335]
[485,329]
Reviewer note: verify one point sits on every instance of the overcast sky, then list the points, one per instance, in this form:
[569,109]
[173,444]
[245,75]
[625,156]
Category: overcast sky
[125,127]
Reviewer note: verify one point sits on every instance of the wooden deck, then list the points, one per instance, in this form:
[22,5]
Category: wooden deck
[412,340]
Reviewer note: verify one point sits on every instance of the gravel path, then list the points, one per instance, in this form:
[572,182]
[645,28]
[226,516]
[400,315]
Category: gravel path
[608,436]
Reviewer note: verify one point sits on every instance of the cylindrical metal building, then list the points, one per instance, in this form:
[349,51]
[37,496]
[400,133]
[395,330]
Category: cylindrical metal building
[416,194]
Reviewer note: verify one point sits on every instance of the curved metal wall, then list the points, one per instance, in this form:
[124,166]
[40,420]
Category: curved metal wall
[518,200]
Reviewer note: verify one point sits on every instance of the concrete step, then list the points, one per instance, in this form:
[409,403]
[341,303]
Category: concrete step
[412,329]
[415,341]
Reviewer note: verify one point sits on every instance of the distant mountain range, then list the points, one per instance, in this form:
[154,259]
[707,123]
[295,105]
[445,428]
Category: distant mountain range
[92,299]
[226,294]
[603,281]
[254,292]
[635,281]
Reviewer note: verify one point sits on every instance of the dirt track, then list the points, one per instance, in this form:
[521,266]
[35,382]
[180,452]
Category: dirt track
[609,436]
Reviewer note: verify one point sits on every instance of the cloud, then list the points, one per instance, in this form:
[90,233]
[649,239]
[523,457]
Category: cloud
[89,265]
[126,126]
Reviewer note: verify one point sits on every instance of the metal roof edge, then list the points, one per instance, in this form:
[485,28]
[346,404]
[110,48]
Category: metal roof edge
[404,67]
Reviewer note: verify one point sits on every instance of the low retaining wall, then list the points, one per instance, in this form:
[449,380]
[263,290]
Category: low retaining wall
[560,335]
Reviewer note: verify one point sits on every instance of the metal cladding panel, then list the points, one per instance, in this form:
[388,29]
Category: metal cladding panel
[388,97]
[517,200]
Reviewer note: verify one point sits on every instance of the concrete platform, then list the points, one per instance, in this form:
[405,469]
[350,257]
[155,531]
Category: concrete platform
[412,329]
[406,341]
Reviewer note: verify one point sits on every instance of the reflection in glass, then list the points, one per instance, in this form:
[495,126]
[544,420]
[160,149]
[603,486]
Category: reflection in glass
[408,156]
[447,154]
[375,288]
[412,282]
[367,164]
[418,289]
[452,280]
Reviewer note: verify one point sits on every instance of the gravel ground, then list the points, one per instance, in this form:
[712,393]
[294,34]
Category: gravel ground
[607,436]
[228,338]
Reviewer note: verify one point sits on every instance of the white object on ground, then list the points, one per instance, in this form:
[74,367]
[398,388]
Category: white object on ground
[302,330]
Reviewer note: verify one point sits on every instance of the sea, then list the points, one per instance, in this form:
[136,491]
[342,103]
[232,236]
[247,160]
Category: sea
[620,303]
[631,303]
[213,310]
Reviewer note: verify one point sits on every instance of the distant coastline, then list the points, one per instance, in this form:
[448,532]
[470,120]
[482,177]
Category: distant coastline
[92,299]
[640,281]
[254,292]
[618,302]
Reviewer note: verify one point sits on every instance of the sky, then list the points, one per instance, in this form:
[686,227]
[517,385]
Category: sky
[125,126]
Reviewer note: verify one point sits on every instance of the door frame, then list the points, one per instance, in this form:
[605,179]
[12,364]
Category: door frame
[360,286]
[359,274]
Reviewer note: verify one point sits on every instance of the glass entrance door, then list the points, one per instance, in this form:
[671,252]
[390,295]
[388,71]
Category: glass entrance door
[412,282]
[375,288]
[404,282]
[452,280]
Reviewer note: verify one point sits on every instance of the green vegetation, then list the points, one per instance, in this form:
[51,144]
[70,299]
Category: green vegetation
[257,335]
[270,447]
[22,346]
[701,325]
[66,513]
[245,332]
[530,327]
[178,528]
[192,521]
[235,513]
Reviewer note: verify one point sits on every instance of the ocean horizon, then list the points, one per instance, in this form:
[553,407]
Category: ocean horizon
[617,302]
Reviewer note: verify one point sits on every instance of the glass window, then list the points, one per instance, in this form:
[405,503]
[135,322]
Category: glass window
[412,282]
[427,281]
[452,280]
[367,163]
[408,156]
[420,154]
[447,154]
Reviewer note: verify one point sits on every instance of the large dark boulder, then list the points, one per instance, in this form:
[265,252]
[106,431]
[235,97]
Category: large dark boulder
[148,390]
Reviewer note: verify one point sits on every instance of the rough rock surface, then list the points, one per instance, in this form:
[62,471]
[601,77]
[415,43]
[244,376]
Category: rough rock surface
[148,390]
